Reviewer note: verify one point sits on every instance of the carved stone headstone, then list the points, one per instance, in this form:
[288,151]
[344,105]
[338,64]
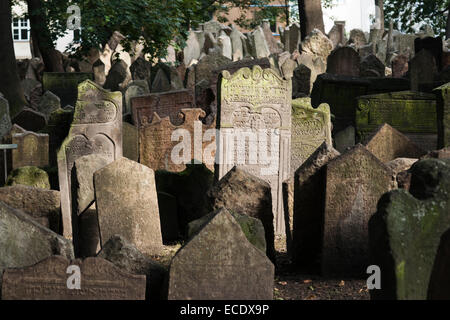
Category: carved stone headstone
[344,61]
[48,280]
[422,69]
[310,128]
[130,139]
[219,263]
[127,204]
[32,150]
[134,89]
[255,129]
[167,104]
[411,113]
[96,128]
[166,146]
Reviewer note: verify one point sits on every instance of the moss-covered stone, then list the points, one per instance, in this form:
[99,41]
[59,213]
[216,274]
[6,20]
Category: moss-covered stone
[252,228]
[405,232]
[29,176]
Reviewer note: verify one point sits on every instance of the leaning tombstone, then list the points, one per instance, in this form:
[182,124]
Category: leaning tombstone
[406,230]
[25,242]
[32,150]
[127,204]
[49,103]
[134,89]
[96,129]
[255,107]
[240,272]
[310,128]
[50,279]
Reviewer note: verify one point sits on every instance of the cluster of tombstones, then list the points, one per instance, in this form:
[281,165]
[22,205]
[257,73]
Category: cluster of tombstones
[93,192]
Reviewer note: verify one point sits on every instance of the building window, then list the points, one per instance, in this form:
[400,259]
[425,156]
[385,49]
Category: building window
[21,29]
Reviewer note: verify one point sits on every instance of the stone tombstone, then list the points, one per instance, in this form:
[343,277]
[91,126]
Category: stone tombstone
[127,204]
[443,115]
[400,66]
[354,183]
[258,44]
[43,205]
[5,120]
[310,128]
[30,120]
[96,129]
[433,45]
[318,44]
[422,69]
[192,49]
[65,84]
[134,89]
[404,44]
[272,42]
[48,280]
[32,150]
[24,242]
[371,66]
[166,104]
[237,46]
[358,38]
[244,193]
[406,231]
[308,208]
[411,113]
[219,263]
[337,34]
[161,148]
[141,70]
[439,285]
[388,144]
[255,107]
[49,103]
[344,61]
[130,139]
[224,43]
[340,93]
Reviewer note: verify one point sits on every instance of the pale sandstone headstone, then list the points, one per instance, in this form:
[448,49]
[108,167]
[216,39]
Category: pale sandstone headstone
[219,263]
[96,129]
[127,204]
[255,106]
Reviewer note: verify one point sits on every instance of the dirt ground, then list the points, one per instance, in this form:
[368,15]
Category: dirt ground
[292,285]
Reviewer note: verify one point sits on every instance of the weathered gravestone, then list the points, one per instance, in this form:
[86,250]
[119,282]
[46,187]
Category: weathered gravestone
[406,230]
[65,85]
[30,120]
[166,146]
[400,66]
[371,66]
[411,113]
[443,115]
[96,129]
[167,104]
[134,89]
[358,38]
[242,192]
[255,108]
[310,128]
[32,150]
[48,280]
[5,120]
[24,242]
[422,69]
[130,139]
[308,200]
[433,45]
[127,204]
[387,144]
[334,198]
[44,206]
[439,285]
[219,263]
[49,103]
[344,61]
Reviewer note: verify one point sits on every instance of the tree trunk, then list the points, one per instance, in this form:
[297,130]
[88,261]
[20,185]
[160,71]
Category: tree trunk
[311,16]
[380,4]
[51,57]
[447,29]
[9,77]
